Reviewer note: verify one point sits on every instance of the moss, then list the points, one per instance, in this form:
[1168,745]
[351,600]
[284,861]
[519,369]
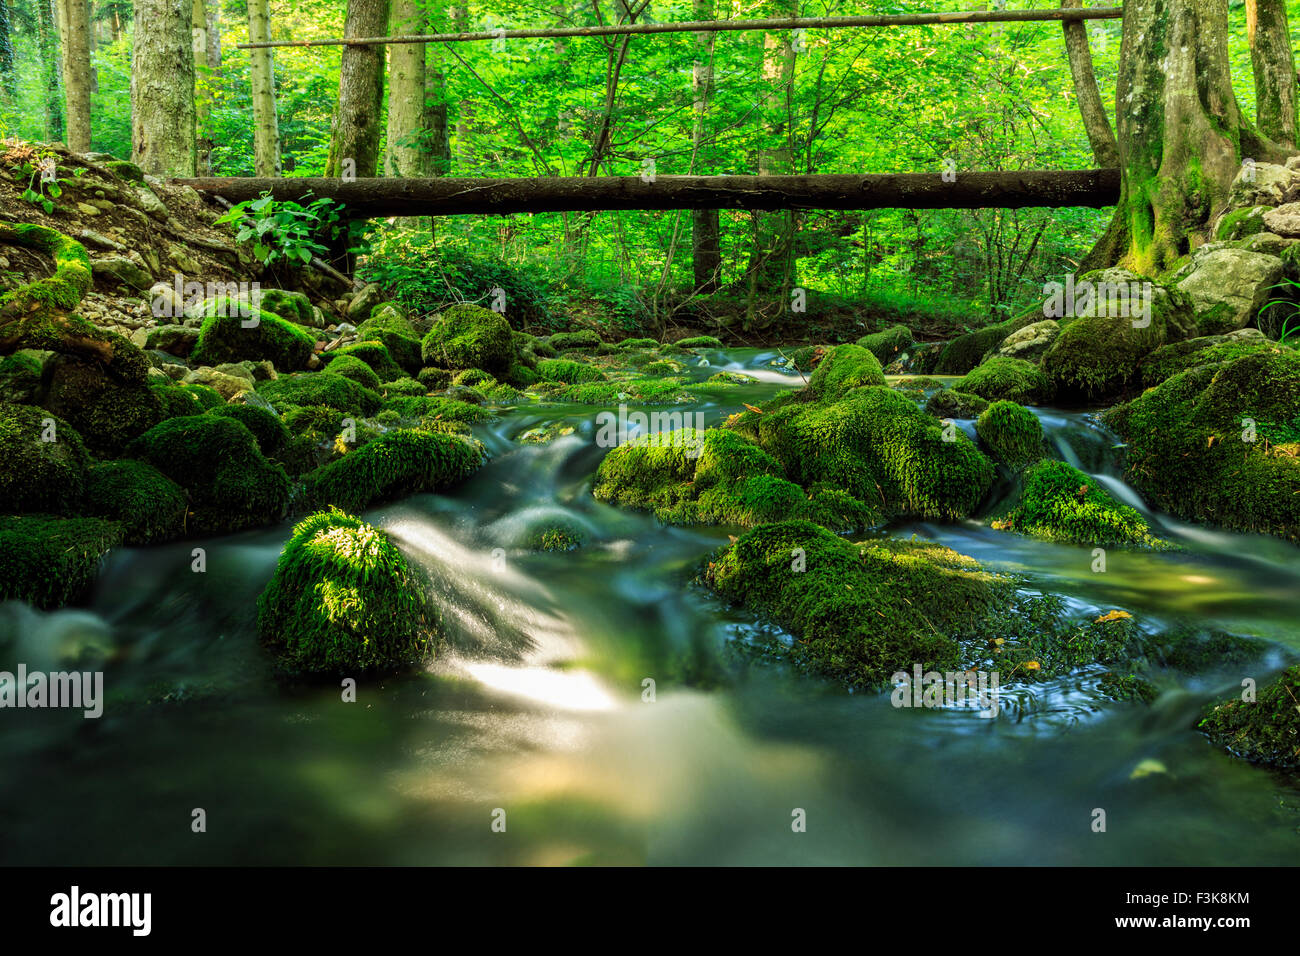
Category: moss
[320,388]
[1127,688]
[967,351]
[1012,433]
[373,354]
[569,372]
[20,378]
[226,336]
[266,426]
[1169,360]
[106,411]
[60,293]
[469,336]
[433,379]
[639,391]
[396,334]
[290,306]
[844,367]
[631,343]
[947,403]
[1031,641]
[474,376]
[1007,378]
[344,601]
[886,345]
[1194,650]
[1188,449]
[208,398]
[859,612]
[216,459]
[402,386]
[318,422]
[878,447]
[1060,503]
[45,462]
[128,171]
[411,407]
[1266,730]
[663,367]
[349,366]
[49,562]
[561,536]
[397,464]
[148,505]
[521,376]
[699,342]
[566,341]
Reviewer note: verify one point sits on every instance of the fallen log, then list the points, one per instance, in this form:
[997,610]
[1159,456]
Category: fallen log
[384,197]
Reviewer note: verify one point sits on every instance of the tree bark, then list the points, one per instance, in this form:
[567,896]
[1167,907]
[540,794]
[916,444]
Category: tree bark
[202,85]
[74,39]
[266,125]
[435,95]
[162,88]
[1274,67]
[463,152]
[706,255]
[408,116]
[448,197]
[48,37]
[8,81]
[1181,135]
[354,145]
[1100,136]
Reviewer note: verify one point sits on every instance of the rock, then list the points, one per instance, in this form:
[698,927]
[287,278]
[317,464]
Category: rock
[123,270]
[1030,342]
[1239,223]
[20,376]
[93,238]
[1284,220]
[174,339]
[151,204]
[1268,243]
[227,385]
[1261,184]
[140,337]
[86,209]
[361,305]
[1229,286]
[165,303]
[242,370]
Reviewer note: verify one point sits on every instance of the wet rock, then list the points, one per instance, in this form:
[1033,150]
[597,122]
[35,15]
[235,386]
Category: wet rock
[1229,286]
[1030,342]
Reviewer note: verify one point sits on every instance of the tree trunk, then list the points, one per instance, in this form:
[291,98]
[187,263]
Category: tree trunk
[435,95]
[74,39]
[213,9]
[354,146]
[8,81]
[1182,137]
[48,36]
[266,125]
[1274,67]
[202,85]
[706,256]
[162,88]
[1100,136]
[464,153]
[408,116]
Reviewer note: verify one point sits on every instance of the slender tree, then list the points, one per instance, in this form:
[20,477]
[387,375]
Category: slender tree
[408,152]
[8,81]
[74,43]
[266,127]
[1095,123]
[48,41]
[706,256]
[203,89]
[162,88]
[354,145]
[1274,67]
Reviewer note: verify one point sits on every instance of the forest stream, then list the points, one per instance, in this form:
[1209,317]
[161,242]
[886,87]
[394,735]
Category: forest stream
[537,706]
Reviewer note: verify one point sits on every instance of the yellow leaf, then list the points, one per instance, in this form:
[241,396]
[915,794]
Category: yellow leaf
[1031,665]
[1113,616]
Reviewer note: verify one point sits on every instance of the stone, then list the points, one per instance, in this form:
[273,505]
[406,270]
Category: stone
[173,339]
[123,270]
[1261,184]
[363,303]
[1284,220]
[228,386]
[1229,286]
[1030,342]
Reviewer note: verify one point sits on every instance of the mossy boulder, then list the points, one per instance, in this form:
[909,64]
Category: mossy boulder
[20,378]
[567,371]
[49,562]
[967,351]
[1059,502]
[697,342]
[843,368]
[1221,443]
[218,462]
[947,403]
[584,339]
[859,612]
[106,410]
[266,426]
[469,336]
[1012,433]
[373,354]
[148,505]
[877,446]
[320,388]
[45,462]
[349,366]
[1014,380]
[434,379]
[232,332]
[344,601]
[1169,360]
[887,345]
[291,306]
[556,536]
[399,463]
[1265,730]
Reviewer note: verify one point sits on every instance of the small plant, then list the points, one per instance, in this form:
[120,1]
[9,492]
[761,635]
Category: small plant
[286,231]
[1288,333]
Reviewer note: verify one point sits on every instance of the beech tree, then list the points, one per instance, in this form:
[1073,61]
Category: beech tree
[409,119]
[162,88]
[706,258]
[1273,64]
[266,127]
[354,144]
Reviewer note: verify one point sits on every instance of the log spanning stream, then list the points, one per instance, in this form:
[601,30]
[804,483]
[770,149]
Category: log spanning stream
[538,707]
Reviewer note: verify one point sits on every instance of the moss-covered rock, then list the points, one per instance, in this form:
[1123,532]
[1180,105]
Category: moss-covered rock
[373,354]
[947,403]
[389,327]
[557,536]
[20,378]
[1012,433]
[843,368]
[107,411]
[967,351]
[232,332]
[344,601]
[404,462]
[49,562]
[860,612]
[698,342]
[469,336]
[217,460]
[349,366]
[1221,443]
[434,379]
[567,341]
[320,388]
[1006,378]
[634,343]
[1060,503]
[413,407]
[1265,730]
[266,426]
[148,505]
[1169,360]
[887,345]
[45,462]
[291,306]
[568,372]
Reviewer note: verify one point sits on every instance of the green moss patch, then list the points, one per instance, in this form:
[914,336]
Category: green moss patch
[49,562]
[1007,378]
[149,506]
[321,388]
[1060,503]
[45,462]
[469,336]
[1265,730]
[1012,433]
[229,335]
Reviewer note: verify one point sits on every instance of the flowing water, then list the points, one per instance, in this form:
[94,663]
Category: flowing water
[537,711]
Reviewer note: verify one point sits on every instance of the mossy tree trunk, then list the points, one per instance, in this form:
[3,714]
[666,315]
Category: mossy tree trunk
[1274,67]
[266,126]
[358,120]
[162,88]
[1181,135]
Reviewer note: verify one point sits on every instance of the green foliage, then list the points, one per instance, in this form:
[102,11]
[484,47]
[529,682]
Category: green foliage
[285,232]
[345,601]
[148,505]
[49,562]
[1061,503]
[1012,433]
